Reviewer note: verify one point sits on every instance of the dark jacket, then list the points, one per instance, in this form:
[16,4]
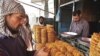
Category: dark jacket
[12,46]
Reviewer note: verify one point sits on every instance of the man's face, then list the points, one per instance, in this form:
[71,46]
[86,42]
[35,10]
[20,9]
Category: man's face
[76,18]
[14,21]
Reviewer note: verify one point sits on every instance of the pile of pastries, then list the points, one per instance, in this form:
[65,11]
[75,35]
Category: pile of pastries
[95,45]
[44,34]
[60,48]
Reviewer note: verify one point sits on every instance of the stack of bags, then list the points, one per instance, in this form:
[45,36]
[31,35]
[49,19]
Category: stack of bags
[95,45]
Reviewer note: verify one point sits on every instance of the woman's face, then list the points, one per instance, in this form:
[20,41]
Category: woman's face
[14,21]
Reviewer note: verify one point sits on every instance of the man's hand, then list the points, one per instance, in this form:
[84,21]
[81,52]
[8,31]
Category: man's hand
[42,52]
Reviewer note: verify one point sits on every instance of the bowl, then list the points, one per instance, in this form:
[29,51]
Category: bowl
[69,34]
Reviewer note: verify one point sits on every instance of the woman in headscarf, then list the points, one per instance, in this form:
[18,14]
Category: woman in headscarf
[11,20]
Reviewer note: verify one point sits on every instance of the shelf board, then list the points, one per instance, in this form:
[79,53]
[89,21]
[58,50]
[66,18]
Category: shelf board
[68,3]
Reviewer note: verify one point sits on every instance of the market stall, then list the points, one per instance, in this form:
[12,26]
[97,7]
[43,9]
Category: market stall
[45,36]
[17,39]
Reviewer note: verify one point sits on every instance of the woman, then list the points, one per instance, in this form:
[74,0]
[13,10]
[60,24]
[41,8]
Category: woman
[11,20]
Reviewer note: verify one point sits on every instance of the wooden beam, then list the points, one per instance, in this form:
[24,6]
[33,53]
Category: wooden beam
[68,3]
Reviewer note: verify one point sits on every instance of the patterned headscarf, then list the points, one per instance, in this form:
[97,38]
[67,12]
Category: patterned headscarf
[8,7]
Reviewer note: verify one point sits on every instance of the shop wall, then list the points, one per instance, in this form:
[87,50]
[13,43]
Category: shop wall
[66,17]
[64,1]
[91,12]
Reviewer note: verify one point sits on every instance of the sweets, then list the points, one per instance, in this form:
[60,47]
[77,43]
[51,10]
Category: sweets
[60,48]
[44,34]
[95,45]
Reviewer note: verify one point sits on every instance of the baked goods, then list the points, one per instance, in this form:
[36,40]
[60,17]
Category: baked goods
[38,46]
[51,36]
[38,35]
[49,26]
[59,54]
[51,33]
[34,31]
[95,45]
[44,34]
[60,48]
[53,51]
[68,54]
[46,37]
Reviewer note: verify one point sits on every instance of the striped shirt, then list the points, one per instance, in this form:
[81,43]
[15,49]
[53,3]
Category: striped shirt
[81,27]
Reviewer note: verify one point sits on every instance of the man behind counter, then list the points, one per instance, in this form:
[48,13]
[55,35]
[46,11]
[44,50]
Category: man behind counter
[79,25]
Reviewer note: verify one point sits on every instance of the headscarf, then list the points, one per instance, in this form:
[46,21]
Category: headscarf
[8,7]
[26,35]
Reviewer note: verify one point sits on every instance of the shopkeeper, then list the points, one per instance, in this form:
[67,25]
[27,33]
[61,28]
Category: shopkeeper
[11,43]
[79,25]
